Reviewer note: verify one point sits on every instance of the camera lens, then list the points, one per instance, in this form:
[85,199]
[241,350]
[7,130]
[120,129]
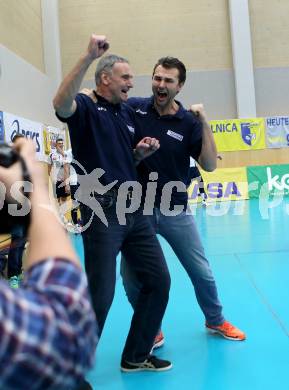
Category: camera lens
[7,155]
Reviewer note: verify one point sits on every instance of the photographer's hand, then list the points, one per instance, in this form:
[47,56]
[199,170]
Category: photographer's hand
[46,235]
[8,176]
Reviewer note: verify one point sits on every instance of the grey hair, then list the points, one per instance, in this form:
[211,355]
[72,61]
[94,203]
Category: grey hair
[105,64]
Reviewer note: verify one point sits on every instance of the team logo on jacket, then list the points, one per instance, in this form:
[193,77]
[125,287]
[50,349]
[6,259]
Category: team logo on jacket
[139,111]
[177,136]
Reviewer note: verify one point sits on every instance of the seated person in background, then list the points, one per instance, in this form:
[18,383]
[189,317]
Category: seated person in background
[47,326]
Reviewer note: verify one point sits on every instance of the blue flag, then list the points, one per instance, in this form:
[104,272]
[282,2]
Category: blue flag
[1,127]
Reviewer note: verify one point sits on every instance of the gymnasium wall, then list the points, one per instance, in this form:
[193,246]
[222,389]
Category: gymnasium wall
[25,89]
[143,30]
[203,42]
[269,32]
[21,30]
[195,90]
[198,32]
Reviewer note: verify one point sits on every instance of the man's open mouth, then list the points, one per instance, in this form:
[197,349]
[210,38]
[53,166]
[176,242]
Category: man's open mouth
[162,94]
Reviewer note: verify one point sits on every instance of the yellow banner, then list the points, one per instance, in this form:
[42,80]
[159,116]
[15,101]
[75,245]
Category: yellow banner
[239,134]
[221,185]
[50,135]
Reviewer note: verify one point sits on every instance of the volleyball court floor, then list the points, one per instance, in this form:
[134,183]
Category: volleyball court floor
[248,249]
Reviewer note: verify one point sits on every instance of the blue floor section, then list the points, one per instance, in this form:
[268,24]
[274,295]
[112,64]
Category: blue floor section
[248,249]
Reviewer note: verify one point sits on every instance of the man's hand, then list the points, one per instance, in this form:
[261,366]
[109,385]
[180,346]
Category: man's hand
[97,46]
[145,148]
[64,101]
[199,110]
[89,92]
[8,176]
[208,157]
[26,149]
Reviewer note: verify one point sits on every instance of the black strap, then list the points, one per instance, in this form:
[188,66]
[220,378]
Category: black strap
[95,94]
[25,173]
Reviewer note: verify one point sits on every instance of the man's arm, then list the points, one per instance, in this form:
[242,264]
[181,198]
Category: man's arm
[53,302]
[66,169]
[58,244]
[49,169]
[64,101]
[44,220]
[208,156]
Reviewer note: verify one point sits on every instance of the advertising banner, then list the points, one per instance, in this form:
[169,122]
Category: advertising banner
[1,127]
[221,185]
[50,135]
[277,132]
[32,130]
[239,134]
[268,180]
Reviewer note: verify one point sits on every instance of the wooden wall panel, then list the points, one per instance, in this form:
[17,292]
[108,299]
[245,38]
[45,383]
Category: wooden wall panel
[198,32]
[21,29]
[254,157]
[270,31]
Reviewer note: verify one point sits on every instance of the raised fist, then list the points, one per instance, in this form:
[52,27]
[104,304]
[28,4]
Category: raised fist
[97,46]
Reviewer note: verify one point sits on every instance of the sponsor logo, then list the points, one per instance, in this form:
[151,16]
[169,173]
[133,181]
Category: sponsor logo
[33,135]
[217,190]
[177,136]
[224,128]
[1,127]
[101,109]
[277,182]
[139,111]
[277,121]
[248,134]
[131,129]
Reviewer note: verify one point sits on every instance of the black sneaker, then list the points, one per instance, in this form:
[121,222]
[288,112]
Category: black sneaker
[84,386]
[152,363]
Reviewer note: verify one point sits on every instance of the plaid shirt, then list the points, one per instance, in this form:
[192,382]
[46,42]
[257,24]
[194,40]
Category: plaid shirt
[48,329]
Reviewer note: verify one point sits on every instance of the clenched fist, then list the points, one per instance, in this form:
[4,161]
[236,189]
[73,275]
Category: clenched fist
[199,110]
[97,46]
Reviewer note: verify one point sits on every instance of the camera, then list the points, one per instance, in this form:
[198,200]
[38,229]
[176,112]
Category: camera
[9,156]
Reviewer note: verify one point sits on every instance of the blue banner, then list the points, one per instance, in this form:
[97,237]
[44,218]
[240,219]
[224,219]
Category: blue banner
[1,127]
[277,132]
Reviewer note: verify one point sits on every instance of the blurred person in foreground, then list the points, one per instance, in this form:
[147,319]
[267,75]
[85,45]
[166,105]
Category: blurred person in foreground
[47,326]
[16,249]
